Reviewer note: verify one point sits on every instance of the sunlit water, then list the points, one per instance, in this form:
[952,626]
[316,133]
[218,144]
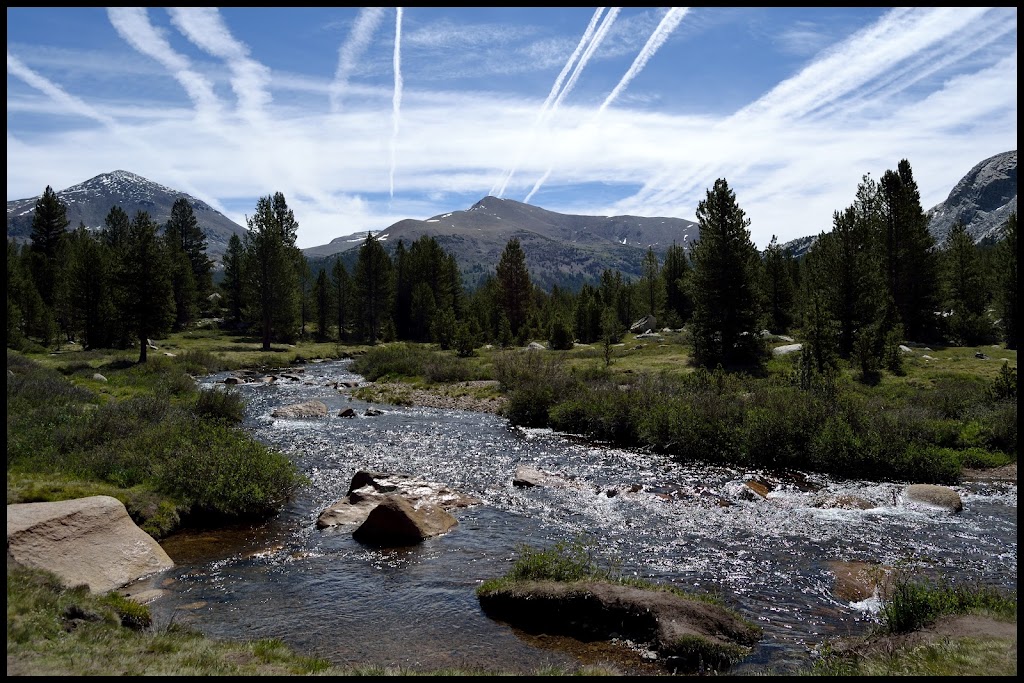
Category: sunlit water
[326,595]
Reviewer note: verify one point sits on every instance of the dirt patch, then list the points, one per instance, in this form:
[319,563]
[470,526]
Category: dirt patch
[1004,473]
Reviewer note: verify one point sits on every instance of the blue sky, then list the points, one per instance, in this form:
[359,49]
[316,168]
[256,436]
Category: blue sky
[366,116]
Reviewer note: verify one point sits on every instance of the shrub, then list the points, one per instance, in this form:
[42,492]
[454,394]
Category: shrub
[915,602]
[217,404]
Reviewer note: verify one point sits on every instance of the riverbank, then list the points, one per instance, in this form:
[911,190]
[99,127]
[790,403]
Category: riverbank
[475,395]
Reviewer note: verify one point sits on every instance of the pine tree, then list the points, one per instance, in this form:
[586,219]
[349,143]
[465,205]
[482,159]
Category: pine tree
[779,291]
[651,284]
[514,286]
[90,285]
[183,232]
[374,285]
[342,297]
[1008,282]
[910,257]
[49,227]
[270,267]
[966,292]
[322,304]
[145,277]
[675,273]
[233,284]
[114,236]
[724,285]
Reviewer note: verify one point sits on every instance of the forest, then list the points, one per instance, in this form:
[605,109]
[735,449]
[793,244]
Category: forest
[875,280]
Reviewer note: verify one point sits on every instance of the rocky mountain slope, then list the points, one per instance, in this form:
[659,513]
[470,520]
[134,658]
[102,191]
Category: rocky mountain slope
[983,200]
[563,249]
[91,201]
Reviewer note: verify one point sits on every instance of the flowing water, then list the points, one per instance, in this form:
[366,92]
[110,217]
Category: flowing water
[325,595]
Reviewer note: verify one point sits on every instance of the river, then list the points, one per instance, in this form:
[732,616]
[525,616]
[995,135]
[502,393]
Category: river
[325,595]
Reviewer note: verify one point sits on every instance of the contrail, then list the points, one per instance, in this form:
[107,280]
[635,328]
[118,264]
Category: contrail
[664,29]
[366,24]
[76,105]
[205,28]
[598,38]
[396,100]
[542,114]
[831,81]
[132,24]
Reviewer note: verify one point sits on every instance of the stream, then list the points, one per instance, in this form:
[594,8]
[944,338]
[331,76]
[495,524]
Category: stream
[695,527]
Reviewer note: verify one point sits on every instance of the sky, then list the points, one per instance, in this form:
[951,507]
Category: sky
[363,117]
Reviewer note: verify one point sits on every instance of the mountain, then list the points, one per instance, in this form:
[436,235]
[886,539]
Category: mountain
[91,201]
[983,200]
[562,249]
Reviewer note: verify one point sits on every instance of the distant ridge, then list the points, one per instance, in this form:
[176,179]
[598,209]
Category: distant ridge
[562,249]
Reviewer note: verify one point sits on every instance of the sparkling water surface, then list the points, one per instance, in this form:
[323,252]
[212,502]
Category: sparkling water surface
[326,595]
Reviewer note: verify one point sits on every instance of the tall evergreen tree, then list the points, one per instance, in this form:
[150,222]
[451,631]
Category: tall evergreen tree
[114,236]
[49,227]
[967,295]
[233,284]
[514,286]
[115,228]
[183,232]
[778,286]
[651,284]
[90,285]
[305,290]
[322,304]
[27,315]
[911,259]
[145,277]
[726,317]
[374,285]
[1008,283]
[270,267]
[675,272]
[403,292]
[342,285]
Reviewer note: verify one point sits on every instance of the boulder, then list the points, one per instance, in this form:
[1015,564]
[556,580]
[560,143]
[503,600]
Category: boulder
[89,541]
[935,496]
[526,477]
[302,410]
[859,581]
[846,501]
[346,412]
[368,489]
[786,349]
[395,521]
[686,634]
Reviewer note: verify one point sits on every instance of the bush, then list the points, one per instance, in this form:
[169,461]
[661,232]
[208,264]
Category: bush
[916,602]
[226,405]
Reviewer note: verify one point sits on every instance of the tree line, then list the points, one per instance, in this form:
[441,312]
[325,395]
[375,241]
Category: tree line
[876,279]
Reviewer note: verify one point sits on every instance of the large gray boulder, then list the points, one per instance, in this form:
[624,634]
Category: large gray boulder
[394,521]
[935,496]
[90,541]
[309,409]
